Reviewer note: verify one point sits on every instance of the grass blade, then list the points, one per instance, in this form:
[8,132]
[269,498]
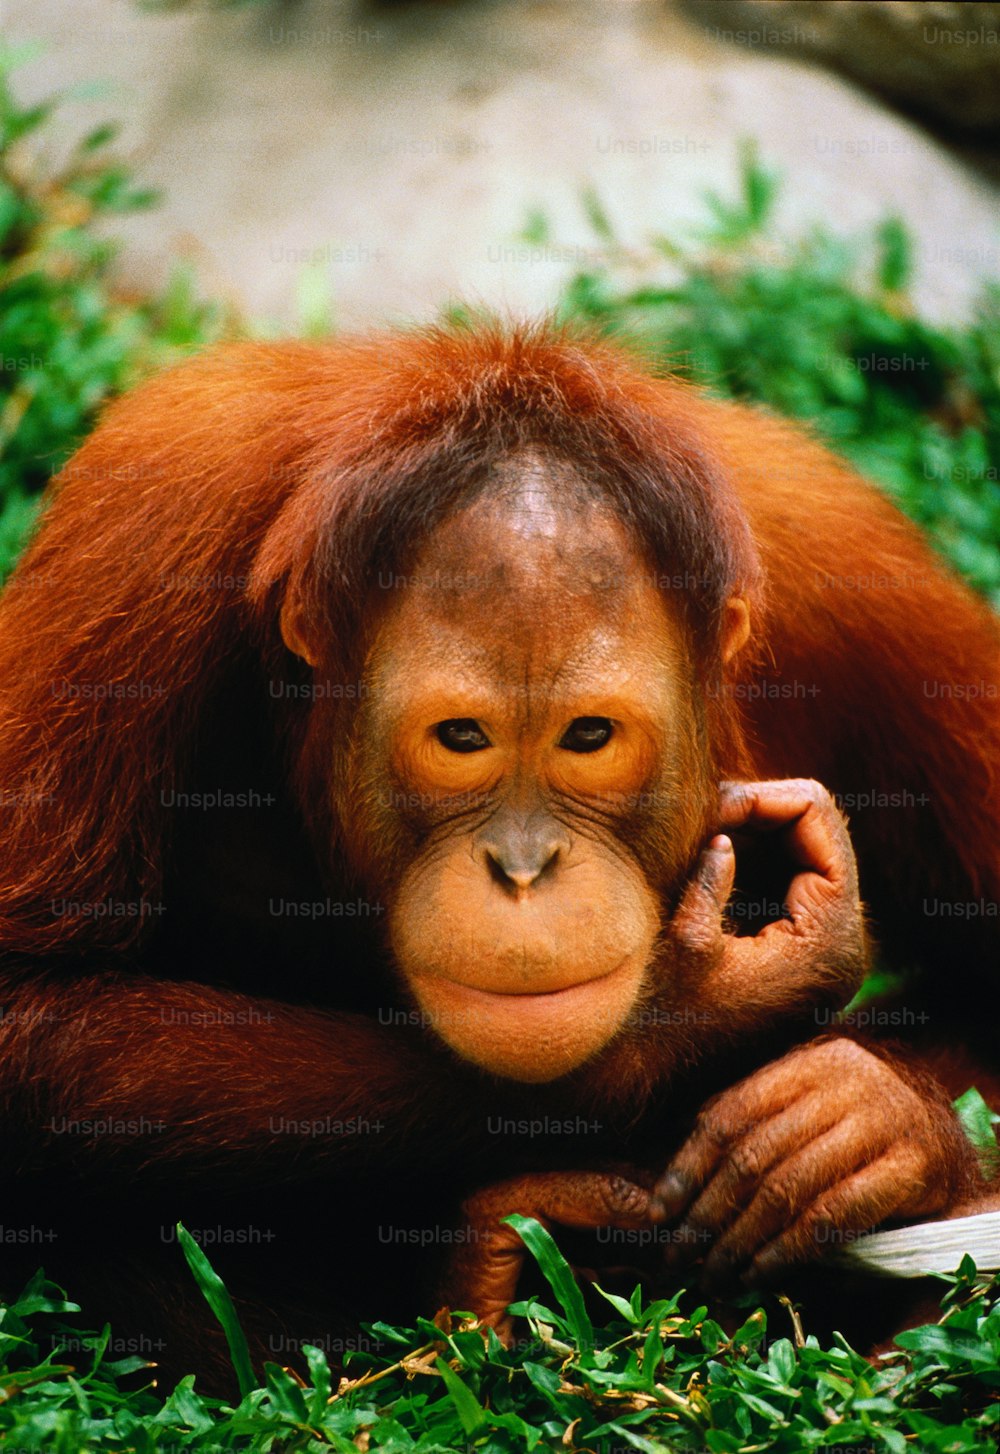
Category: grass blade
[558,1274]
[217,1296]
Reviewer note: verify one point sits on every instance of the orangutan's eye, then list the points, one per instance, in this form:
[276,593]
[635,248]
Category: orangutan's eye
[587,734]
[462,734]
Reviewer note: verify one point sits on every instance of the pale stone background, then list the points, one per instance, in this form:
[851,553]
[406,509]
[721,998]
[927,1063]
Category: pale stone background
[405,145]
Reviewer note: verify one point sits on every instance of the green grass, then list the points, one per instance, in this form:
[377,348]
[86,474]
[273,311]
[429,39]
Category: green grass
[655,1376]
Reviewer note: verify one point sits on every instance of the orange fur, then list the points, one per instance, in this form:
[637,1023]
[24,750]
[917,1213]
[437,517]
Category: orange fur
[138,640]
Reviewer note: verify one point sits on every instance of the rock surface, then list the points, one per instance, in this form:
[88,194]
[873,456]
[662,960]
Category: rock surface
[942,57]
[400,150]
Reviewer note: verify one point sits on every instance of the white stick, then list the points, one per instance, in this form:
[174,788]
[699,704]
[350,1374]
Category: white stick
[929,1247]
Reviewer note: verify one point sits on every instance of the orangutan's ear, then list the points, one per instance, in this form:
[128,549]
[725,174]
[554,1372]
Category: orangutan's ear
[293,631]
[735,627]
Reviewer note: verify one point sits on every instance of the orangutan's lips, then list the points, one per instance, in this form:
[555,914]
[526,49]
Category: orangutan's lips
[448,999]
[530,1035]
[505,993]
[553,994]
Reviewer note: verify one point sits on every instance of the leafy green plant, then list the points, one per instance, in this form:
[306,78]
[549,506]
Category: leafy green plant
[979,1123]
[654,1378]
[68,339]
[821,329]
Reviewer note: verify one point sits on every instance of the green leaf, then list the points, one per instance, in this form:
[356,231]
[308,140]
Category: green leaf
[652,1354]
[760,187]
[596,215]
[895,263]
[286,1394]
[471,1413]
[184,1406]
[625,1308]
[978,1121]
[100,136]
[781,1361]
[952,1346]
[319,1373]
[558,1274]
[536,231]
[216,1294]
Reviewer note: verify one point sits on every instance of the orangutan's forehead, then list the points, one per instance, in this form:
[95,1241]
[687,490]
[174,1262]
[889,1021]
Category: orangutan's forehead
[541,531]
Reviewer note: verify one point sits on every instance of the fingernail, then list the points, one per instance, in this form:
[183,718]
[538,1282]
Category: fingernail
[671,1192]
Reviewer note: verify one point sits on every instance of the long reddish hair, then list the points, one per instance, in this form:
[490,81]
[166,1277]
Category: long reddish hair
[260,473]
